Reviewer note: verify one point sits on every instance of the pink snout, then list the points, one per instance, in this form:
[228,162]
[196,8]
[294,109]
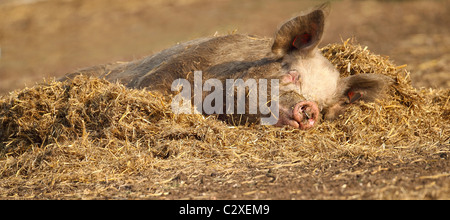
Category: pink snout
[304,115]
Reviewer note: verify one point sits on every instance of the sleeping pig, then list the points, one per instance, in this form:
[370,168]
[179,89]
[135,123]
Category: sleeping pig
[304,86]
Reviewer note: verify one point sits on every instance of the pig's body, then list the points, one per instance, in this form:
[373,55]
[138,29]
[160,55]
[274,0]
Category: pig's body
[225,57]
[309,83]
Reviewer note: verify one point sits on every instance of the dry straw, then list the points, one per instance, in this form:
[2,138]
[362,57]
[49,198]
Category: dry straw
[89,138]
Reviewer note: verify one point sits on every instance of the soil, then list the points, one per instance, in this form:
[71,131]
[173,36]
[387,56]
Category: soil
[49,38]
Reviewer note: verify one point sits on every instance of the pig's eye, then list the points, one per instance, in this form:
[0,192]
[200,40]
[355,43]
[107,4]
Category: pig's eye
[285,65]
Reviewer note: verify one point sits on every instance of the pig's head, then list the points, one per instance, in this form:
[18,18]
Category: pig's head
[310,86]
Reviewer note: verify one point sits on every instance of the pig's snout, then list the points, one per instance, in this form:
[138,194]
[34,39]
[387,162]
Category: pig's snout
[304,115]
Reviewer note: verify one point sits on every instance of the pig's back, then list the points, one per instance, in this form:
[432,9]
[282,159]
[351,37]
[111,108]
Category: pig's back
[218,57]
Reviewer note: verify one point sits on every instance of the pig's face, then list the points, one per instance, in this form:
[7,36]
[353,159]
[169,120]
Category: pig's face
[309,84]
[314,77]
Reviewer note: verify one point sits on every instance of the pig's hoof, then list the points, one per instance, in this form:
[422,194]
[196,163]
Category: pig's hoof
[306,113]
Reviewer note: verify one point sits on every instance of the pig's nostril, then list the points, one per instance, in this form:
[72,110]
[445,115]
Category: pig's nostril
[304,110]
[307,115]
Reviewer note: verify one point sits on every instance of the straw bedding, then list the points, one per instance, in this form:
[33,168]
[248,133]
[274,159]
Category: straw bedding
[89,138]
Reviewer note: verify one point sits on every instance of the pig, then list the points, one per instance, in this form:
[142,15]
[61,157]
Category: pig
[310,87]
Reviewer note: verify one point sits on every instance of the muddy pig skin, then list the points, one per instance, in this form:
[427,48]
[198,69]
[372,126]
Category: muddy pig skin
[309,85]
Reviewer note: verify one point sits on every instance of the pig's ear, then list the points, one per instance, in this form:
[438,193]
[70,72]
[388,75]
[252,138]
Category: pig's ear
[363,87]
[301,34]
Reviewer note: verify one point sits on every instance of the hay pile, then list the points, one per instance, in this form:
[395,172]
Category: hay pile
[89,138]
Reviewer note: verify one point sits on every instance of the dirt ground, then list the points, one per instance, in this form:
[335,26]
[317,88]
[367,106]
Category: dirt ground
[52,37]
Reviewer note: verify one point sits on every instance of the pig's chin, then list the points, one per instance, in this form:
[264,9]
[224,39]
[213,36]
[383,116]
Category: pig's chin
[304,115]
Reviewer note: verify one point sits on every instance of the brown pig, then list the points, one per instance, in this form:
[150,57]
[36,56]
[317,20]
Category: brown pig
[309,87]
